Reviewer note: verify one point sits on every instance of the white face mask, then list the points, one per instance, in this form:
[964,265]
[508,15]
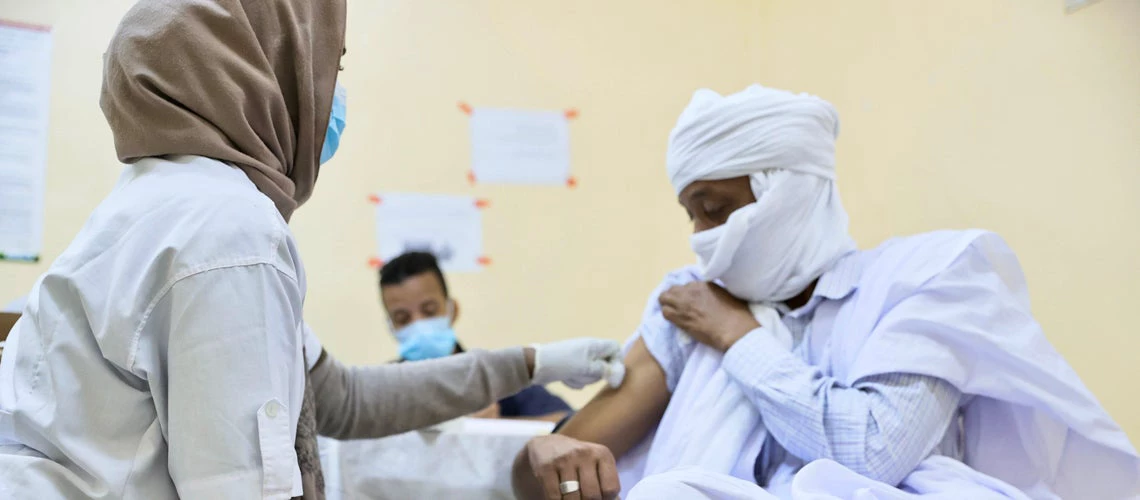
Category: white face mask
[773,249]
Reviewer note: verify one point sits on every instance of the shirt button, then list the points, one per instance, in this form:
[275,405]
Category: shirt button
[271,409]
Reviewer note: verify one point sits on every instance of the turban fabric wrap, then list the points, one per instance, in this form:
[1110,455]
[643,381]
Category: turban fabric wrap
[772,249]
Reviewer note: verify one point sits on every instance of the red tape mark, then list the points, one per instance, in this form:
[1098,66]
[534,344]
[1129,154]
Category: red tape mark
[466,108]
[481,203]
[375,263]
[484,261]
[471,177]
[572,182]
[571,113]
[25,26]
[373,199]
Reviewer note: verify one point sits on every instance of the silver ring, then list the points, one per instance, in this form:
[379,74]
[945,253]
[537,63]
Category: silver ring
[568,487]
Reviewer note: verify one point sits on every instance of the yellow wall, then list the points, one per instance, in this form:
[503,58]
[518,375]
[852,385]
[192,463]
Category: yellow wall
[566,262]
[1002,114]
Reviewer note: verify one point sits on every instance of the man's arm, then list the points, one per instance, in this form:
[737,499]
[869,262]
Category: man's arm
[881,427]
[620,418]
[617,419]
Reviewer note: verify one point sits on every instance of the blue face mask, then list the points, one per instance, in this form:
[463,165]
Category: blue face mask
[427,339]
[336,124]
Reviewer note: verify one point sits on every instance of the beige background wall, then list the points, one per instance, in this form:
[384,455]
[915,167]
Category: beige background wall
[1001,114]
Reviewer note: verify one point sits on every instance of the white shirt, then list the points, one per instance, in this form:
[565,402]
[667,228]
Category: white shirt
[912,356]
[161,355]
[881,428]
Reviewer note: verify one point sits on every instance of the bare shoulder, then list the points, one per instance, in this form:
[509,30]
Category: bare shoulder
[644,364]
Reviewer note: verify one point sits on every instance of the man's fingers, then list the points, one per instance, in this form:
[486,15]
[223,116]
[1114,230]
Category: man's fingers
[548,476]
[608,479]
[566,474]
[720,290]
[588,481]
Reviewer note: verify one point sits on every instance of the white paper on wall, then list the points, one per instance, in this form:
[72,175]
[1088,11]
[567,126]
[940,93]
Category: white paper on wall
[25,89]
[510,146]
[1074,5]
[451,227]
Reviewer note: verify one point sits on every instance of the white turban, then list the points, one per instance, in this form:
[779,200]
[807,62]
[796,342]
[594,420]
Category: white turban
[773,249]
[758,129]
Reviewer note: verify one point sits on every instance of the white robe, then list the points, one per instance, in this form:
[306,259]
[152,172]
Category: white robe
[1032,430]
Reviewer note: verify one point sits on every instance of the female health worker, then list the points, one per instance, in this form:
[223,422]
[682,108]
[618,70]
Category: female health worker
[164,353]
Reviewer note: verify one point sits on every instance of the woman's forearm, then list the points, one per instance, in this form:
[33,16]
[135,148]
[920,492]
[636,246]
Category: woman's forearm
[377,401]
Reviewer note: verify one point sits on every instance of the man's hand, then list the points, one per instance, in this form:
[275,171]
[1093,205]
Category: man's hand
[708,313]
[616,419]
[555,459]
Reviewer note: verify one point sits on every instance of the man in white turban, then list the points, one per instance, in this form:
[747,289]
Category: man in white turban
[788,364]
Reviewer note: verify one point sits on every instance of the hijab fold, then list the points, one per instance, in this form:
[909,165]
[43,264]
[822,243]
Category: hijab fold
[246,82]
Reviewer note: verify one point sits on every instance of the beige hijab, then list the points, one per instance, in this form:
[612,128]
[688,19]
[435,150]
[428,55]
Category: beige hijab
[247,82]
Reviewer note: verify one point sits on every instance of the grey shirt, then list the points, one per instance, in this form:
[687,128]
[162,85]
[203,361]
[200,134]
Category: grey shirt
[361,402]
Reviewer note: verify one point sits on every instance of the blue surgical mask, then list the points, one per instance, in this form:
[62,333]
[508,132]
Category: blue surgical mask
[336,124]
[427,339]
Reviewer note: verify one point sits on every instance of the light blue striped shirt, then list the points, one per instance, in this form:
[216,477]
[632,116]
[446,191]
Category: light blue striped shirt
[881,427]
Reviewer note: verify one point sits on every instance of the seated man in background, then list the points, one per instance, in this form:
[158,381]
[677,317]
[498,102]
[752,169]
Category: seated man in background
[791,365]
[422,314]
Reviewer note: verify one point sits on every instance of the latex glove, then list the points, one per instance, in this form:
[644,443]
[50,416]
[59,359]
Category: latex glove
[578,362]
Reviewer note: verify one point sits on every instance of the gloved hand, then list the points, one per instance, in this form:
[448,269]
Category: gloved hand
[578,362]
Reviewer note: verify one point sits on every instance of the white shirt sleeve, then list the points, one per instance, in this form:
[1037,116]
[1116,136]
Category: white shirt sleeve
[234,383]
[313,348]
[665,341]
[881,428]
